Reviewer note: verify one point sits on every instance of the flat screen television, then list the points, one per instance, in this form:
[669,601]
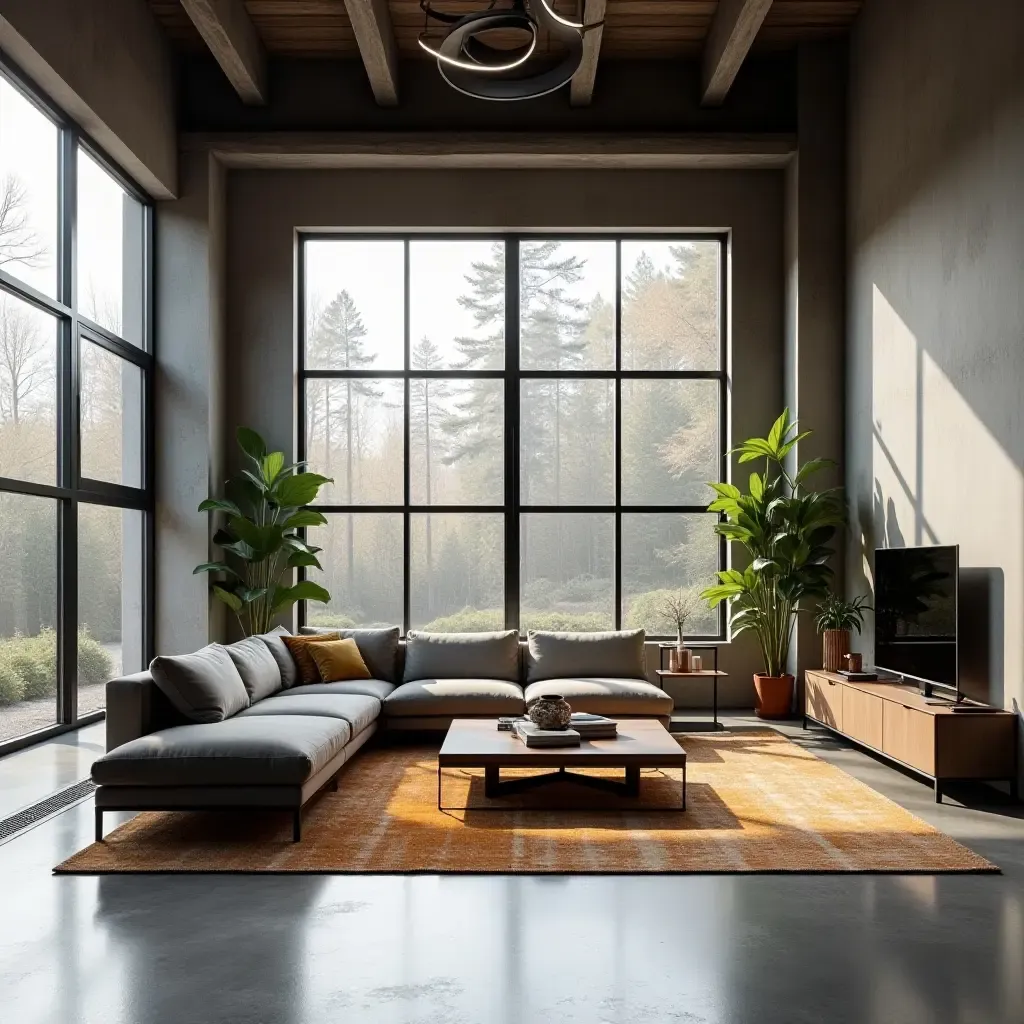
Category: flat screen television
[916,595]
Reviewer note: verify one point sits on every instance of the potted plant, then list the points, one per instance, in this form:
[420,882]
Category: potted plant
[678,607]
[835,620]
[264,511]
[785,528]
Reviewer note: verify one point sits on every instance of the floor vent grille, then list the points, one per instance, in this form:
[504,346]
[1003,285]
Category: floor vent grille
[34,814]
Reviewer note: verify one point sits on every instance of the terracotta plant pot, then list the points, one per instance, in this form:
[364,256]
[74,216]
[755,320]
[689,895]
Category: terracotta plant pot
[835,645]
[773,696]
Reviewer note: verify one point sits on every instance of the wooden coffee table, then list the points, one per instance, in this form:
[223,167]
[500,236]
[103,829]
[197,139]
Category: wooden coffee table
[477,743]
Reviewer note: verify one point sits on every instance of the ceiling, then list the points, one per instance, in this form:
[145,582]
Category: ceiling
[634,29]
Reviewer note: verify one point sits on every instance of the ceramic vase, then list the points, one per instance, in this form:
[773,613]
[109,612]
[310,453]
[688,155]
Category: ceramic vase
[550,711]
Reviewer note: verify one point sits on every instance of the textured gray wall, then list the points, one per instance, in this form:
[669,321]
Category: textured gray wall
[814,243]
[189,398]
[107,64]
[265,208]
[935,437]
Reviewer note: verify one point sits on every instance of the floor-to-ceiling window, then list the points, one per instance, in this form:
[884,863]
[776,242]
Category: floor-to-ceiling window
[520,430]
[75,366]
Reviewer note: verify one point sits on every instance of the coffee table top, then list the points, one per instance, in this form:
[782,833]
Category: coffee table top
[644,742]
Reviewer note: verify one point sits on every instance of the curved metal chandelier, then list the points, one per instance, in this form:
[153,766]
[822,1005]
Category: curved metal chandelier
[487,72]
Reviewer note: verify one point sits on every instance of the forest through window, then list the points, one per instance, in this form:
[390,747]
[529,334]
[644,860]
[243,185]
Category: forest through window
[520,430]
[75,359]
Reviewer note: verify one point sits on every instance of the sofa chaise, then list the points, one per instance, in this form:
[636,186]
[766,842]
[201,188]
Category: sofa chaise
[232,727]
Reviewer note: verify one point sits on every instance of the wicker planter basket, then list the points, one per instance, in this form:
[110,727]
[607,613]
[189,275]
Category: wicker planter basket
[835,645]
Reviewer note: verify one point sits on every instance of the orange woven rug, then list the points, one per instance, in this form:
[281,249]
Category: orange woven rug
[756,802]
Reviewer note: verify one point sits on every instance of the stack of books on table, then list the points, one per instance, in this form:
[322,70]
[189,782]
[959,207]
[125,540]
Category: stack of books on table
[533,736]
[593,727]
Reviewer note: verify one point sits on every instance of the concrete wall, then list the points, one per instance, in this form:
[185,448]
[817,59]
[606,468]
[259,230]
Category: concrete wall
[935,436]
[107,64]
[265,208]
[814,243]
[189,394]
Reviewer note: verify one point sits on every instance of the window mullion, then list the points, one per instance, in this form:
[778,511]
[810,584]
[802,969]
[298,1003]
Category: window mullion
[512,530]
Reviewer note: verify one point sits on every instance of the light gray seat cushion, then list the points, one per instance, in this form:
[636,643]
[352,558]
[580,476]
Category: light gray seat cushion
[615,654]
[358,711]
[473,656]
[379,648]
[257,667]
[455,697]
[279,649]
[204,686]
[261,750]
[601,695]
[367,687]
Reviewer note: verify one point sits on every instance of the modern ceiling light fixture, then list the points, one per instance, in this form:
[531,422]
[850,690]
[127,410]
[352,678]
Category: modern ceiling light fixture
[477,68]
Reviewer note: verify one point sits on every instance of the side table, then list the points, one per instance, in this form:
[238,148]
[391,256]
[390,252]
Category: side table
[712,674]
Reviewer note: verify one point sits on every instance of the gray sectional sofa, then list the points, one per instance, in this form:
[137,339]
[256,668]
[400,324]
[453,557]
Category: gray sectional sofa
[230,727]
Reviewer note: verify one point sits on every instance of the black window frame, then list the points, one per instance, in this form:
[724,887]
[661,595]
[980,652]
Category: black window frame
[513,376]
[71,488]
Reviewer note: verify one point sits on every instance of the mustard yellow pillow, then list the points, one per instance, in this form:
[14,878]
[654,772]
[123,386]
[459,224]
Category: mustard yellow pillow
[338,660]
[299,647]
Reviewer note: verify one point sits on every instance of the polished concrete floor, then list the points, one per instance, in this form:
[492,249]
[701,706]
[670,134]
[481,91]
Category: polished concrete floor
[518,950]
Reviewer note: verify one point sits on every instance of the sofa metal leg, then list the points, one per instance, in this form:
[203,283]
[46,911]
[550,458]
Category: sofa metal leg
[333,784]
[99,825]
[297,825]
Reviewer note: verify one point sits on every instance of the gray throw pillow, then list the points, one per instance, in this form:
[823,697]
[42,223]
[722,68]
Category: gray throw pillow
[279,649]
[462,656]
[204,686]
[257,667]
[615,654]
[379,647]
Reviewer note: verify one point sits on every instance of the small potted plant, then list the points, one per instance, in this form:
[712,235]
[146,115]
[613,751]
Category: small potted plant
[835,620]
[678,607]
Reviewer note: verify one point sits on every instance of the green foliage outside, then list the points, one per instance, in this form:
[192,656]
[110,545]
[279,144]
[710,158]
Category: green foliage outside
[28,665]
[475,620]
[327,621]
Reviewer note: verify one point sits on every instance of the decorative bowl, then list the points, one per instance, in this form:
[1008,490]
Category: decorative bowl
[550,711]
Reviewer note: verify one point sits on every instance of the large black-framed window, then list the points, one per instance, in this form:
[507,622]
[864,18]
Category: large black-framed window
[520,428]
[76,362]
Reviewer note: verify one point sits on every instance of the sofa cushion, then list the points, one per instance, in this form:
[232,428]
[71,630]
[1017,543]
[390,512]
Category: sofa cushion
[298,647]
[285,662]
[462,656]
[616,654]
[600,695]
[204,686]
[358,711]
[339,660]
[368,687]
[257,667]
[455,697]
[261,750]
[379,647]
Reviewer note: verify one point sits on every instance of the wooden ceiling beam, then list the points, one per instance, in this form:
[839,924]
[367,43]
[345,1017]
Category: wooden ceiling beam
[732,32]
[375,37]
[581,89]
[233,40]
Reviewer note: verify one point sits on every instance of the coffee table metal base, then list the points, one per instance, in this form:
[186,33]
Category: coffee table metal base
[495,788]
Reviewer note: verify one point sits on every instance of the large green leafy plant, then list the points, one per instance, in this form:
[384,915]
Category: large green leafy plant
[785,527]
[260,537]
